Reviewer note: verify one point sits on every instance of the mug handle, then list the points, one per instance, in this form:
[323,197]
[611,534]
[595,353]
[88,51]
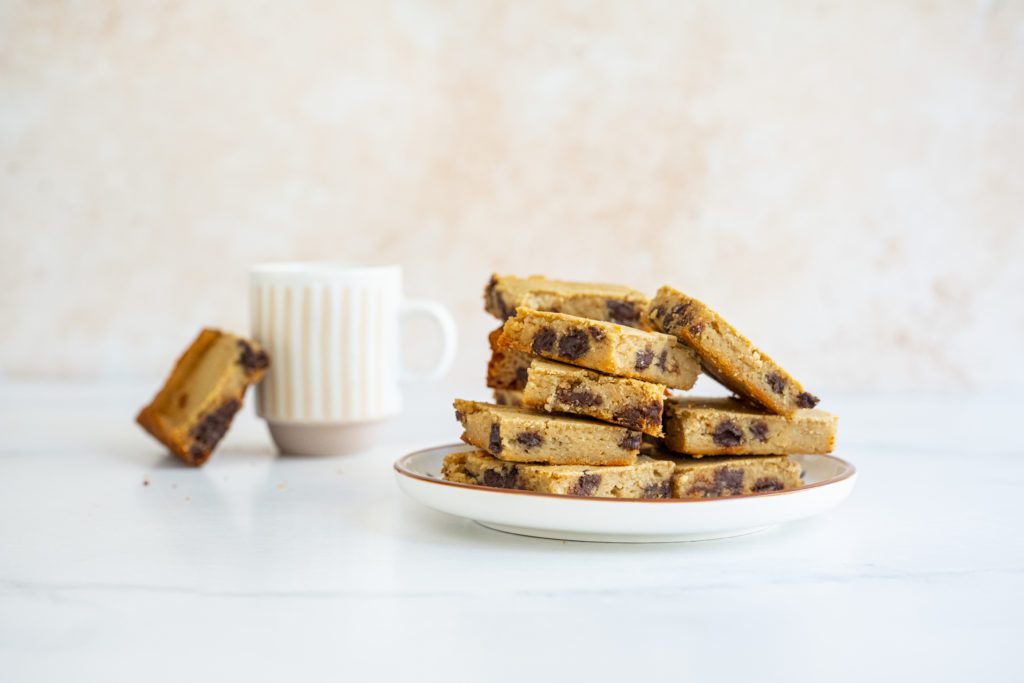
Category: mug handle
[449,339]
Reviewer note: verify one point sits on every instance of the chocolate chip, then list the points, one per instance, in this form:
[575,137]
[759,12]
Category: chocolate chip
[637,417]
[630,416]
[529,440]
[495,442]
[251,359]
[644,358]
[727,433]
[577,396]
[496,301]
[585,485]
[725,481]
[661,489]
[183,400]
[631,441]
[489,301]
[459,415]
[728,480]
[596,332]
[507,479]
[522,377]
[573,345]
[776,382]
[759,428]
[662,359]
[696,329]
[678,315]
[500,399]
[544,341]
[806,400]
[623,313]
[767,484]
[211,429]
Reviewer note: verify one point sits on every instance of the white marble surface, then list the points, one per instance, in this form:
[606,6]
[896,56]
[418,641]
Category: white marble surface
[259,567]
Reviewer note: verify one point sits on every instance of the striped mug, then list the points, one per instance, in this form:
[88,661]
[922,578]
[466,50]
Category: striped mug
[332,331]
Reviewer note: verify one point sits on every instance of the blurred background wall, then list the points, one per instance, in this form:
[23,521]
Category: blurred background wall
[845,180]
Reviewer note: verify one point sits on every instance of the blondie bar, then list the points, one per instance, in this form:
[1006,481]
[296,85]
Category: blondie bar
[726,354]
[647,478]
[521,435]
[508,397]
[614,303]
[602,346]
[507,367]
[719,477]
[727,426]
[194,409]
[556,387]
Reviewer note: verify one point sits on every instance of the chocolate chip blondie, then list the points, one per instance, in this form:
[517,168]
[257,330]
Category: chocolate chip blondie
[560,388]
[507,367]
[521,435]
[647,478]
[197,403]
[726,354]
[721,477]
[508,397]
[613,303]
[602,346]
[728,426]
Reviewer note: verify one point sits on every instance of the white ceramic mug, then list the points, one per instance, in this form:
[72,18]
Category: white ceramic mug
[333,331]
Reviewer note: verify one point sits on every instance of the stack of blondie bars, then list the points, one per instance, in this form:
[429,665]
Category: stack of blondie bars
[586,380]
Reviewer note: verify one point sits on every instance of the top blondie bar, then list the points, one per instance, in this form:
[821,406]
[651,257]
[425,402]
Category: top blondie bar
[597,301]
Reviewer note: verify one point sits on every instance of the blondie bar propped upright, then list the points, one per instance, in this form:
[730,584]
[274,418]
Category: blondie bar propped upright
[197,403]
[727,355]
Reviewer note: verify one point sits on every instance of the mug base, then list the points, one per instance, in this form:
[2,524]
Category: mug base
[296,438]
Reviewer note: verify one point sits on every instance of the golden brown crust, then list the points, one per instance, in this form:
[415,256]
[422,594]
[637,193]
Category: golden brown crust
[508,397]
[150,419]
[727,426]
[507,368]
[454,468]
[523,435]
[726,354]
[726,476]
[592,300]
[606,347]
[647,478]
[559,388]
[152,422]
[196,404]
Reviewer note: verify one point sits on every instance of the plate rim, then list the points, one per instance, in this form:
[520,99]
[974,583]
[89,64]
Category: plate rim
[402,469]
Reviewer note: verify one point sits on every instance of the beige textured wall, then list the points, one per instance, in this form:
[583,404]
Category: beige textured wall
[845,180]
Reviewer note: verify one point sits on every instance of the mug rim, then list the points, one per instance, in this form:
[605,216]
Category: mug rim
[327,269]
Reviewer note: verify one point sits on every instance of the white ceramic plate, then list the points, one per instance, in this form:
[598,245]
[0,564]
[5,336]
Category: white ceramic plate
[829,481]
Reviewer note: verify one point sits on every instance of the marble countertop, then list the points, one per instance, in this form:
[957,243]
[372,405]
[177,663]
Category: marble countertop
[118,563]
